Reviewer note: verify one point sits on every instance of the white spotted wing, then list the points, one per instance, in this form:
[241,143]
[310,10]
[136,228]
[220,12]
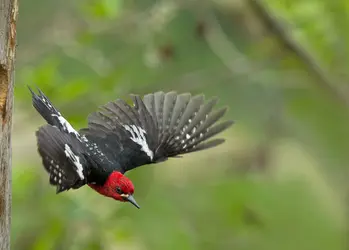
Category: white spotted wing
[63,157]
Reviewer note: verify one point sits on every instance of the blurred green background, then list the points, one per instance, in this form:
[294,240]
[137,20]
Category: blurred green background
[280,180]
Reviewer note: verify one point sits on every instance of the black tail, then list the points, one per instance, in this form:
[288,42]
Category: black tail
[184,123]
[45,108]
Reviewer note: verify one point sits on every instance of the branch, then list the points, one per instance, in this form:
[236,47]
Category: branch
[226,51]
[8,17]
[271,22]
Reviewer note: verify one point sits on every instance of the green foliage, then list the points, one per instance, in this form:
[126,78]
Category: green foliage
[278,182]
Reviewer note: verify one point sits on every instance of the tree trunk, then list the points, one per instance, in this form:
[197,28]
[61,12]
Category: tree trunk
[8,16]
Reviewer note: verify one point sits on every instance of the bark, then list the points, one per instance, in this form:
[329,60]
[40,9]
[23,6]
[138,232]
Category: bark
[8,16]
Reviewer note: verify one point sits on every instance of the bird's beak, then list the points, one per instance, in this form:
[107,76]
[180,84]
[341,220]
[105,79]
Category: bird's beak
[132,201]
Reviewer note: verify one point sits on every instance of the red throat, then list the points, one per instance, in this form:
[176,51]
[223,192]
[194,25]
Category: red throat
[115,181]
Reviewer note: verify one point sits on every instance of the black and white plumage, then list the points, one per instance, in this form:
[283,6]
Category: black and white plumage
[53,117]
[63,157]
[120,137]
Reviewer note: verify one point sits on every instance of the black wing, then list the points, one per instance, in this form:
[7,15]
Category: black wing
[53,149]
[52,116]
[63,158]
[161,125]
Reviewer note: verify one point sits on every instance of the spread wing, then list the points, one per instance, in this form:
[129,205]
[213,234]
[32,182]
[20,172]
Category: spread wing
[161,125]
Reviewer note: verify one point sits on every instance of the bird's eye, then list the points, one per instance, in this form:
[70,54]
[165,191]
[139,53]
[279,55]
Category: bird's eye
[118,190]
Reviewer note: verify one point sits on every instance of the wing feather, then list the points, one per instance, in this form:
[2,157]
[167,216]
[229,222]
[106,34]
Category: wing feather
[63,158]
[161,125]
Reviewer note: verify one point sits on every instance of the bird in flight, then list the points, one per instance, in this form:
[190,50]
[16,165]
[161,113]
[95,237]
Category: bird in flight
[120,137]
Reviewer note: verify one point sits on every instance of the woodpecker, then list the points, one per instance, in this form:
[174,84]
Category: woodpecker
[120,137]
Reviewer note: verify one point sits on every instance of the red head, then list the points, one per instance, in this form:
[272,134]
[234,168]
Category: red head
[118,187]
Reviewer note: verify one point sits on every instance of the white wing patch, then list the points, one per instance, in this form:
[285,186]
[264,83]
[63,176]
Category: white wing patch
[66,126]
[137,135]
[75,159]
